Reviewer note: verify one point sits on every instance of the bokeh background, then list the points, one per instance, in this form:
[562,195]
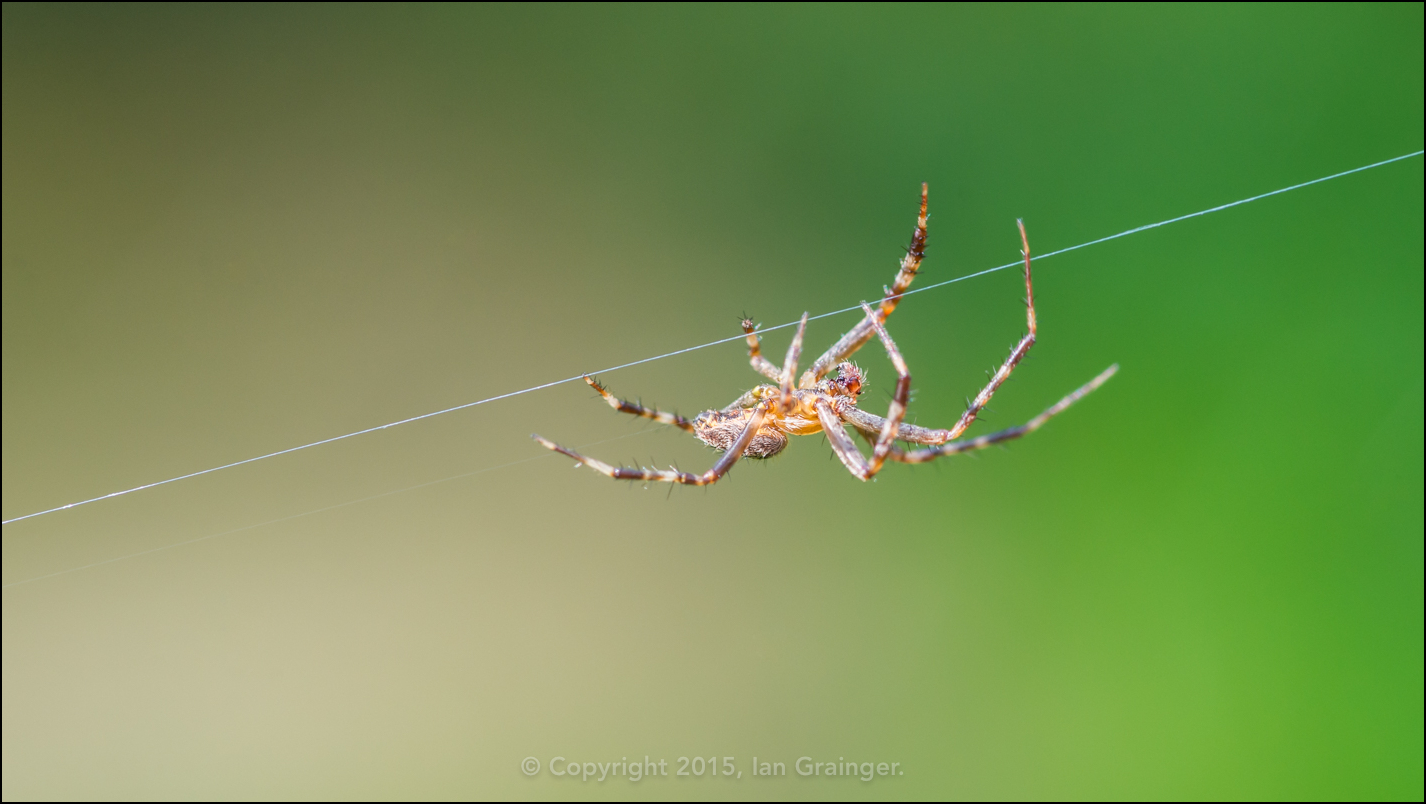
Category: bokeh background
[232,230]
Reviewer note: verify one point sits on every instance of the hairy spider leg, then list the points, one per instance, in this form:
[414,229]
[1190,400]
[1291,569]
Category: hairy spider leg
[1016,354]
[862,332]
[981,442]
[832,422]
[761,364]
[870,424]
[719,469]
[639,410]
[789,366]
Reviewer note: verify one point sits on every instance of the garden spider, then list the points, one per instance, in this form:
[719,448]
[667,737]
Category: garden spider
[758,423]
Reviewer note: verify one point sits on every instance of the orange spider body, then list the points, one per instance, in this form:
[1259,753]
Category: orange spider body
[720,428]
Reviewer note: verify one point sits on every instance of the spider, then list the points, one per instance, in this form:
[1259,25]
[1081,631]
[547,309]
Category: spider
[758,423]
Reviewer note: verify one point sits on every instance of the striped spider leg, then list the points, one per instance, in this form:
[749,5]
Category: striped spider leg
[754,421]
[1016,355]
[1010,433]
[830,411]
[872,425]
[639,410]
[782,376]
[858,335]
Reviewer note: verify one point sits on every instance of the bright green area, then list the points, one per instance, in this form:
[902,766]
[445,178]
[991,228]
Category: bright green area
[231,230]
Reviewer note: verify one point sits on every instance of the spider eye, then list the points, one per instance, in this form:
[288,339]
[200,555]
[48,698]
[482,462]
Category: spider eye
[849,379]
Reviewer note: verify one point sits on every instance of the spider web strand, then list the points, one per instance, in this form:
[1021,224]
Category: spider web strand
[720,341]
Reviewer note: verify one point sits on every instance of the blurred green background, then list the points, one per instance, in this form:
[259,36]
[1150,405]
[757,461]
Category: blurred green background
[232,230]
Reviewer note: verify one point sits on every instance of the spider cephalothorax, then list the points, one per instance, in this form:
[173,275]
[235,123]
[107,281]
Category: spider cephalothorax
[758,423]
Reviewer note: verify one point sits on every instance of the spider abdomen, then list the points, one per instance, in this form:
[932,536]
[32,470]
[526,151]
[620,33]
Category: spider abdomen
[719,429]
